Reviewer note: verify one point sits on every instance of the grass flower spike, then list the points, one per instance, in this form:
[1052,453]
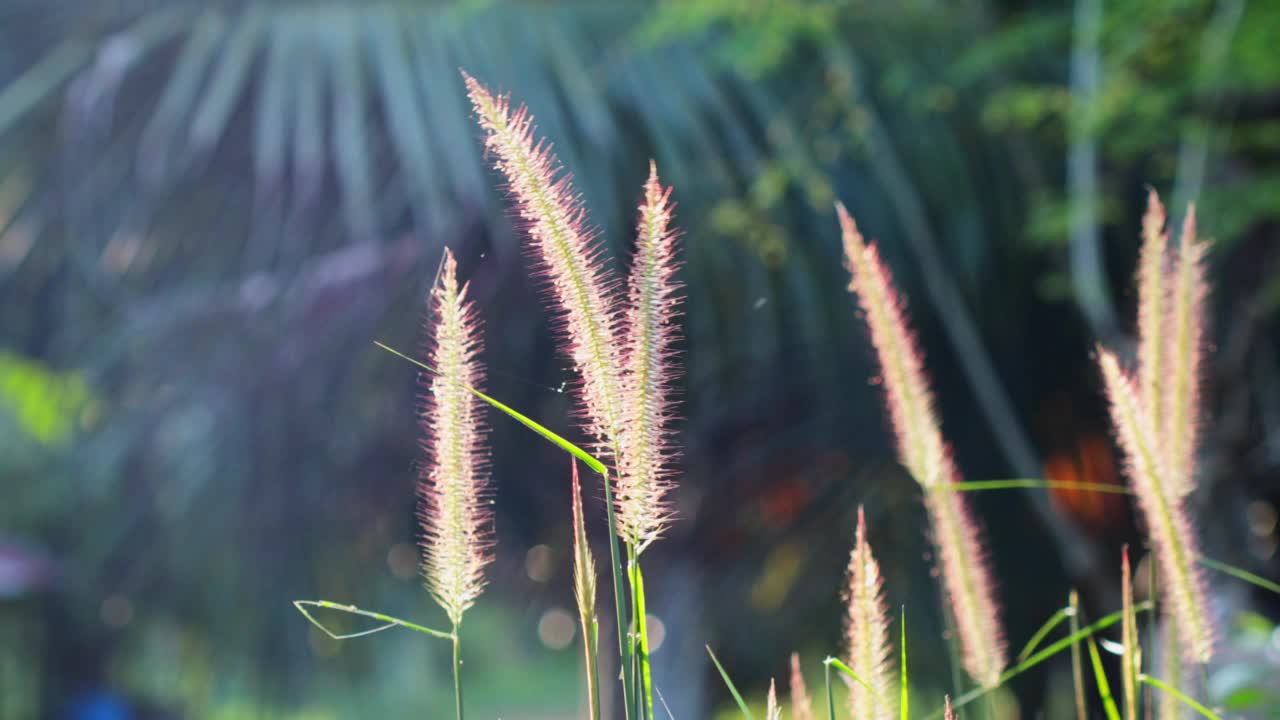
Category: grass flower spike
[1174,544]
[867,633]
[568,253]
[772,710]
[969,588]
[584,590]
[1184,350]
[650,327]
[1153,296]
[452,485]
[801,705]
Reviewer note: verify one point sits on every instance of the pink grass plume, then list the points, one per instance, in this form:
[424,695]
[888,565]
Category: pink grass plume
[801,704]
[567,252]
[966,578]
[1184,351]
[452,485]
[867,633]
[1174,543]
[650,327]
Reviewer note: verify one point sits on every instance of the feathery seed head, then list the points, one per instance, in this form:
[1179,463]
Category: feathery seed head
[947,712]
[650,327]
[801,705]
[569,255]
[969,585]
[1153,297]
[922,450]
[452,483]
[867,633]
[1175,545]
[1184,337]
[584,566]
[906,387]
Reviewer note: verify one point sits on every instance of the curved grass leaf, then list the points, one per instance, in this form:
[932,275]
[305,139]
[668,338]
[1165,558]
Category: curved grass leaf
[1179,696]
[390,621]
[1052,649]
[1240,574]
[552,437]
[835,662]
[1057,619]
[980,485]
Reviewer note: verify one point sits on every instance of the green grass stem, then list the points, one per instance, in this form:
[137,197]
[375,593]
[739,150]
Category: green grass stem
[733,690]
[390,621]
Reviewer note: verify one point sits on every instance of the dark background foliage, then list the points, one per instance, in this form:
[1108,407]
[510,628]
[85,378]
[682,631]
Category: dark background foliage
[208,212]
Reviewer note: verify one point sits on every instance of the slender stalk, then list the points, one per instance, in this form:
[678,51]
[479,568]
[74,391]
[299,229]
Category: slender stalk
[620,604]
[457,669]
[644,681]
[1077,668]
[831,700]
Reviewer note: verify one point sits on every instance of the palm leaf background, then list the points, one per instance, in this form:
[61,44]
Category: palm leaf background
[209,210]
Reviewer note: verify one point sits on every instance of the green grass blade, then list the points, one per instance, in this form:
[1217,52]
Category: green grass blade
[830,662]
[391,622]
[742,705]
[831,701]
[1179,696]
[1053,622]
[645,681]
[902,670]
[552,437]
[1240,574]
[1100,679]
[1049,651]
[980,485]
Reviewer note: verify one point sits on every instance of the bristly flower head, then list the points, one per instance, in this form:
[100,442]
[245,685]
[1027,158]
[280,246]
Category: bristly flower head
[867,633]
[1153,297]
[652,311]
[801,705]
[772,711]
[906,387]
[1184,350]
[584,566]
[921,449]
[452,484]
[1174,543]
[584,287]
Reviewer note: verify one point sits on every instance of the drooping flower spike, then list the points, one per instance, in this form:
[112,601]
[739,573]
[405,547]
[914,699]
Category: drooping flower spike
[452,484]
[867,633]
[969,588]
[568,255]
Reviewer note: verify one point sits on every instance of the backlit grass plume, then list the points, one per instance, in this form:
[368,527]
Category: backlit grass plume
[650,333]
[772,711]
[1157,417]
[867,633]
[1173,543]
[452,484]
[921,449]
[567,252]
[801,705]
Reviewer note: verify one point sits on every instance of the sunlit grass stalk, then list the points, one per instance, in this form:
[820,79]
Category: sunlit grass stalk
[772,710]
[1174,544]
[966,578]
[867,632]
[1077,666]
[452,485]
[584,590]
